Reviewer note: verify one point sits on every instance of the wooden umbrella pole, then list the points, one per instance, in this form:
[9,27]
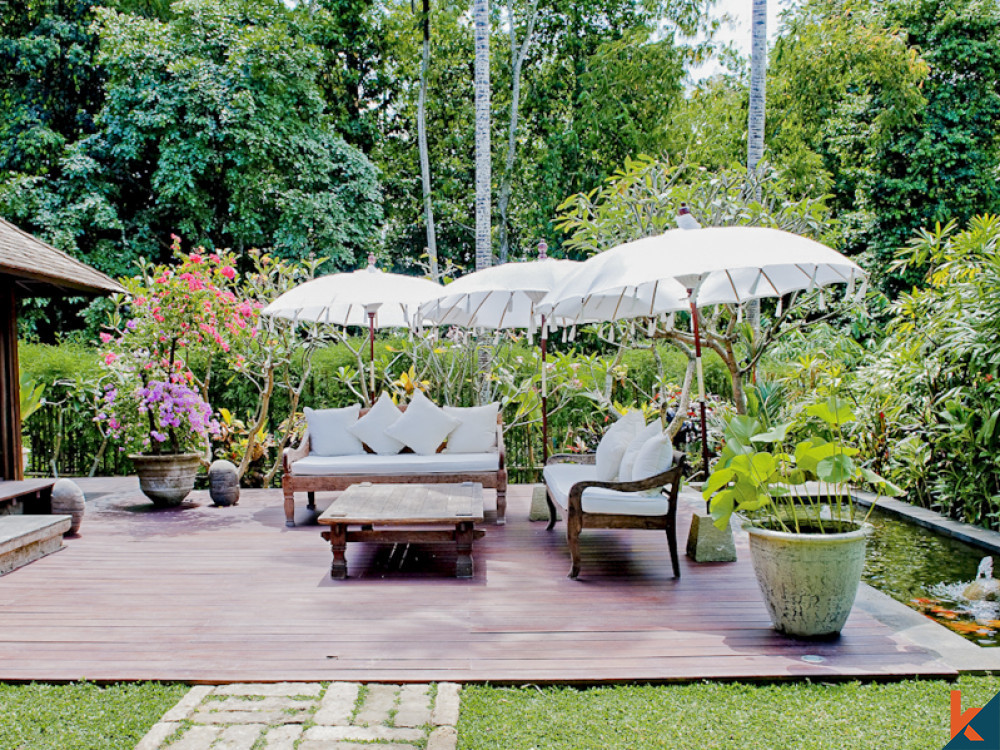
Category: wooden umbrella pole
[371,351]
[701,390]
[545,397]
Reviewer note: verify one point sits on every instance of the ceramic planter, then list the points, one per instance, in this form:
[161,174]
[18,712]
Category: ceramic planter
[166,479]
[809,581]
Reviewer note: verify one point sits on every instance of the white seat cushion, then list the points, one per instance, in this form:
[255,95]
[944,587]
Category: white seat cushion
[423,426]
[328,431]
[370,429]
[400,463]
[477,429]
[560,478]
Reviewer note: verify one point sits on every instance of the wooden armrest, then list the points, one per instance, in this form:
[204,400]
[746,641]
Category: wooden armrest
[572,458]
[671,476]
[291,455]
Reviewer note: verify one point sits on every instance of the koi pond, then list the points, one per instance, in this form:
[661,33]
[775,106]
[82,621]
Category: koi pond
[929,573]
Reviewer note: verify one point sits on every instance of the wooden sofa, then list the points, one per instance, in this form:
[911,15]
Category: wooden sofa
[611,507]
[333,474]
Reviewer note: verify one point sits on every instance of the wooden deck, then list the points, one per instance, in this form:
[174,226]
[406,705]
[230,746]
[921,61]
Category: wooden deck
[203,594]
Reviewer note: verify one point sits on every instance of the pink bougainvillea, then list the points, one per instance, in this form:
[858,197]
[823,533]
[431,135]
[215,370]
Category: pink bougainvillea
[178,319]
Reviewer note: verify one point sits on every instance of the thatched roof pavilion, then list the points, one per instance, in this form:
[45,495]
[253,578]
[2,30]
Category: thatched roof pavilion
[30,268]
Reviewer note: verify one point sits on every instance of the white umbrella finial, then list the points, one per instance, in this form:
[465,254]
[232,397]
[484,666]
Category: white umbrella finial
[543,250]
[371,262]
[684,218]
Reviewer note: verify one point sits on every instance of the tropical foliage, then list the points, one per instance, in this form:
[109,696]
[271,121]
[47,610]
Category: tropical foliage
[293,127]
[763,473]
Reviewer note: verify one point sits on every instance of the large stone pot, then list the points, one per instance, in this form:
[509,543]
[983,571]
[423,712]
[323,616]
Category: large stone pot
[167,479]
[809,581]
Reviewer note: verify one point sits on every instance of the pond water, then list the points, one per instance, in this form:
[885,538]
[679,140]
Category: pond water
[928,572]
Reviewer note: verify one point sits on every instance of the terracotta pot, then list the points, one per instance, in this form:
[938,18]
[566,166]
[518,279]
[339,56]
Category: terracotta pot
[167,479]
[809,581]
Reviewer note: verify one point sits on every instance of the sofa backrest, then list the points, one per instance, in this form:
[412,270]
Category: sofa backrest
[366,409]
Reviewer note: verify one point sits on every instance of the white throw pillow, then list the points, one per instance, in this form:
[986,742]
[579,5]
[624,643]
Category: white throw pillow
[423,426]
[656,456]
[328,431]
[370,429]
[612,446]
[477,429]
[649,432]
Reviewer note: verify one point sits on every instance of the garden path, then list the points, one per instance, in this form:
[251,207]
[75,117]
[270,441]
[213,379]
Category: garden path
[310,716]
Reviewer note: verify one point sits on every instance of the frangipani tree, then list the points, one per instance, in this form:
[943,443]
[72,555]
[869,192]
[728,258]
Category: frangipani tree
[642,200]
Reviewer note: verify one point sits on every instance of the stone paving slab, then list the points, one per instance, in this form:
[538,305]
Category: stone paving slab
[270,690]
[310,716]
[338,703]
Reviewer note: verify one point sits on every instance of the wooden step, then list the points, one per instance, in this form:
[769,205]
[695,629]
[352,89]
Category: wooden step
[27,538]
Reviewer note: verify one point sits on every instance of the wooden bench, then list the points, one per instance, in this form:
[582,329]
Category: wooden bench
[292,482]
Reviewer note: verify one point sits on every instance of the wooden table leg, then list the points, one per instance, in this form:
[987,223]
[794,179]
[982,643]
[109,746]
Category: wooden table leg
[463,542]
[338,545]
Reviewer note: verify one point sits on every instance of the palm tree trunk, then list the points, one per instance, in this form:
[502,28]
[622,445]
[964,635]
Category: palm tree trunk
[481,23]
[758,84]
[484,249]
[755,123]
[425,162]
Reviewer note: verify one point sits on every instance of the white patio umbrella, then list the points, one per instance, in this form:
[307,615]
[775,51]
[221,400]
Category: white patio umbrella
[701,267]
[504,297]
[367,297]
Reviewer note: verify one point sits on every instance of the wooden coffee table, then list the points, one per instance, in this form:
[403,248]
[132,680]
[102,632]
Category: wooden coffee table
[376,506]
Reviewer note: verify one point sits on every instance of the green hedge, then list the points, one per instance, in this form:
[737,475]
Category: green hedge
[71,373]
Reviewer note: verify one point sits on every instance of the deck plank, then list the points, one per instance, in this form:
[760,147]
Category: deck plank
[204,594]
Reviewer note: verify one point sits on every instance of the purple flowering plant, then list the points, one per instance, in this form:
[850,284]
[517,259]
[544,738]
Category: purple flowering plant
[158,417]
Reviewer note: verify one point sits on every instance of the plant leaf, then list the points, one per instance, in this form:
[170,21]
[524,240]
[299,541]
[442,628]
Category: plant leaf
[776,434]
[836,469]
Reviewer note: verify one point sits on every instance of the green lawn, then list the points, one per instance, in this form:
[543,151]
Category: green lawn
[81,716]
[803,716]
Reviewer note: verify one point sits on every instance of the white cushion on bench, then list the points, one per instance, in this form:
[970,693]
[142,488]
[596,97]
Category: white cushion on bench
[400,463]
[560,478]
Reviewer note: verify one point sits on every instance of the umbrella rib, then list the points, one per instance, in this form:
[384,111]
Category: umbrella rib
[732,285]
[442,318]
[804,271]
[768,278]
[621,296]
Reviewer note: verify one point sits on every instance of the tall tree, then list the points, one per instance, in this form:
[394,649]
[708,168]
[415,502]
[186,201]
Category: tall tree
[213,126]
[481,26]
[942,165]
[758,84]
[425,161]
[755,116]
[518,51]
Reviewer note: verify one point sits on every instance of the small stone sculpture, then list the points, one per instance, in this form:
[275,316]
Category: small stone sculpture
[223,483]
[68,500]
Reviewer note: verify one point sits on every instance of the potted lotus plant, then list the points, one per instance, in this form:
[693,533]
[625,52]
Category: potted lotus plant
[807,545]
